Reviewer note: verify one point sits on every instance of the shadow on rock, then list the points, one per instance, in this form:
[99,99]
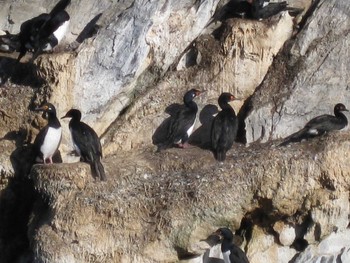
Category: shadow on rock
[19,73]
[161,133]
[201,136]
[89,30]
[17,201]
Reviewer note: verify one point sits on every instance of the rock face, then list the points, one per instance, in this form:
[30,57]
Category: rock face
[310,82]
[122,64]
[156,205]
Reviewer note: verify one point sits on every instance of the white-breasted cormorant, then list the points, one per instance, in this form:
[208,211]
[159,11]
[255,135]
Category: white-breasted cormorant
[230,252]
[182,123]
[48,139]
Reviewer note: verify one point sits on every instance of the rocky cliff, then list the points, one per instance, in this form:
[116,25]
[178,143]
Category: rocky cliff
[122,64]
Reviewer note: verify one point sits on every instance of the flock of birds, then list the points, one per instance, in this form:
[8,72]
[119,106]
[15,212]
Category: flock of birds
[44,32]
[225,125]
[39,34]
[85,140]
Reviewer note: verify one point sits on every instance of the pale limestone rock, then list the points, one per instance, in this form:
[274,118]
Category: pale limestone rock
[243,51]
[262,248]
[333,249]
[333,215]
[287,99]
[286,233]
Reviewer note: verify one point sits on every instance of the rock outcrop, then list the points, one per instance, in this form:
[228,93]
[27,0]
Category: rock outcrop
[122,64]
[155,207]
[309,77]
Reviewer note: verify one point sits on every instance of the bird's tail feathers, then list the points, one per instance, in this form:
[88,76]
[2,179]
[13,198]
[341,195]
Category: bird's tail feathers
[295,137]
[98,170]
[220,156]
[60,6]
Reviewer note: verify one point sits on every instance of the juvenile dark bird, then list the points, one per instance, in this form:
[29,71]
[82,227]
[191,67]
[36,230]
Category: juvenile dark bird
[320,125]
[86,143]
[40,33]
[48,139]
[182,123]
[230,252]
[224,127]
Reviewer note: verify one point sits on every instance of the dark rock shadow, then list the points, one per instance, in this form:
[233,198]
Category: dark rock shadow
[25,74]
[201,136]
[160,134]
[17,201]
[89,30]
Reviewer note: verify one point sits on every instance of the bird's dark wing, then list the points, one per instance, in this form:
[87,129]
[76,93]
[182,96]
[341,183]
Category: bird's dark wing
[87,141]
[179,125]
[39,139]
[223,133]
[51,25]
[9,43]
[269,10]
[325,123]
[237,255]
[60,6]
[316,126]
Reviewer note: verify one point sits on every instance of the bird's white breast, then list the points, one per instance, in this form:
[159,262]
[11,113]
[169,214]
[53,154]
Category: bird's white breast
[226,256]
[61,31]
[190,130]
[51,142]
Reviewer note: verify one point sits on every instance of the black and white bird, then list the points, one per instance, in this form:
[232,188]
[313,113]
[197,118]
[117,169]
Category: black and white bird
[260,9]
[320,125]
[39,34]
[48,139]
[224,127]
[182,123]
[86,143]
[230,252]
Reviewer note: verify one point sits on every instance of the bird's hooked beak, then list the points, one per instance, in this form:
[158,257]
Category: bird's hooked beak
[198,92]
[218,234]
[42,108]
[65,116]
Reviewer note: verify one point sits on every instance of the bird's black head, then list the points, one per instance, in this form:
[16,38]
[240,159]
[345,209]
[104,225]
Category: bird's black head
[226,97]
[74,114]
[47,107]
[224,234]
[191,94]
[340,107]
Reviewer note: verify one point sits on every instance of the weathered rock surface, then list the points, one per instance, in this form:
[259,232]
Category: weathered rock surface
[158,207]
[307,79]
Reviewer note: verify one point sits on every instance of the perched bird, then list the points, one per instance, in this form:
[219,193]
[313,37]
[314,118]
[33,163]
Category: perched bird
[224,128]
[86,143]
[320,125]
[182,123]
[8,42]
[38,34]
[230,252]
[261,9]
[48,139]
